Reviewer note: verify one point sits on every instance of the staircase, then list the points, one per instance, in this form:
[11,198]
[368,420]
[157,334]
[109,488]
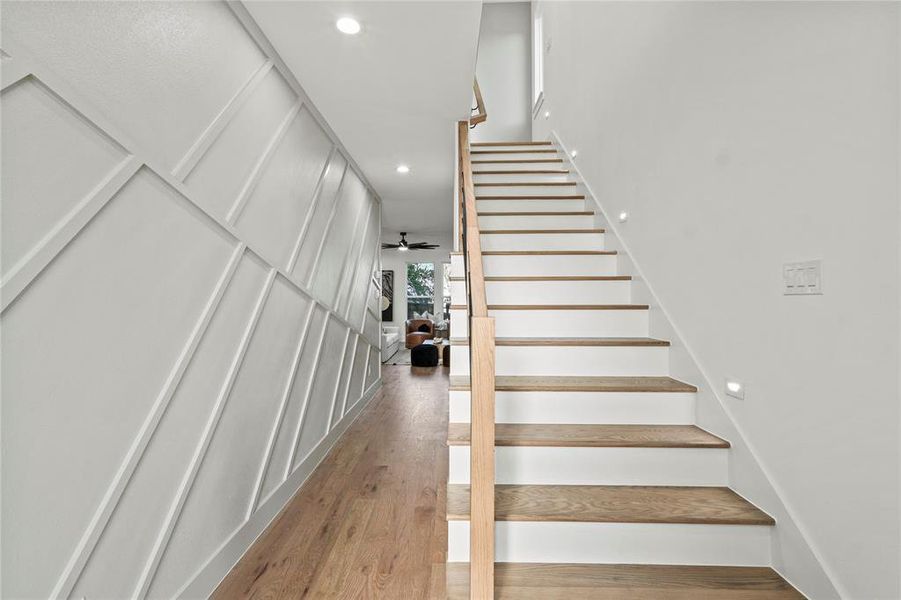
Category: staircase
[604,486]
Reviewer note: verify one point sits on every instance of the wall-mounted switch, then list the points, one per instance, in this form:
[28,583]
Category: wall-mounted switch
[802,278]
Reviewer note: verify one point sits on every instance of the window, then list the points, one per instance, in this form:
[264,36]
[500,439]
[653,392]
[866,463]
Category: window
[420,289]
[537,63]
[445,306]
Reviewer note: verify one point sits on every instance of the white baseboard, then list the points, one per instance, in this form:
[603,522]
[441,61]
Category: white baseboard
[223,560]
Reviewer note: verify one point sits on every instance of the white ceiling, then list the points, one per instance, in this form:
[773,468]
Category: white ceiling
[392,93]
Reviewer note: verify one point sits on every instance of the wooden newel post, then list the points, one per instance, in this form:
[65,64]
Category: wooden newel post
[481,540]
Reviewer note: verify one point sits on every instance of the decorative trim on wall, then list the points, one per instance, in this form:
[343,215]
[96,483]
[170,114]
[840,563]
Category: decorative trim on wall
[21,67]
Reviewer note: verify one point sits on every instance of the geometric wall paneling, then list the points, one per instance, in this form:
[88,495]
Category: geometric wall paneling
[278,468]
[343,228]
[117,562]
[98,362]
[358,290]
[344,380]
[225,484]
[277,206]
[53,161]
[177,361]
[372,327]
[227,164]
[352,258]
[357,374]
[323,206]
[372,372]
[157,88]
[314,418]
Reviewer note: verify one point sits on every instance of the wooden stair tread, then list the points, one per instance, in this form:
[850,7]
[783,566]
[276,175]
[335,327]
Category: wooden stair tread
[559,307]
[566,581]
[519,143]
[537,231]
[543,213]
[613,504]
[551,278]
[591,436]
[526,151]
[534,197]
[561,383]
[523,171]
[569,341]
[525,183]
[513,161]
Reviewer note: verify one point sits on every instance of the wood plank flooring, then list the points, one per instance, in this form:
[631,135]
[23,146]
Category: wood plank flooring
[370,521]
[537,581]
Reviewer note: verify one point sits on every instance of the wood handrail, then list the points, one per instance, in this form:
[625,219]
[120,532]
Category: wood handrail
[482,114]
[481,370]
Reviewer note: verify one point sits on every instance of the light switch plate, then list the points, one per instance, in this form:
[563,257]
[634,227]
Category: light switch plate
[802,278]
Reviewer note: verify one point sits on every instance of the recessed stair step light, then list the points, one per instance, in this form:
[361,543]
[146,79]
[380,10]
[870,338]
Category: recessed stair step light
[348,25]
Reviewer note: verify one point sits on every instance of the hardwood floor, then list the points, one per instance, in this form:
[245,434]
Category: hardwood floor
[370,521]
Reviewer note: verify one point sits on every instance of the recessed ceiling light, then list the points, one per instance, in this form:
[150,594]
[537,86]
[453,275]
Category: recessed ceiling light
[623,217]
[348,25]
[547,114]
[574,153]
[403,169]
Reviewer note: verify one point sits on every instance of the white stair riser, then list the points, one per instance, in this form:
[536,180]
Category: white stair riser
[536,221]
[538,465]
[619,543]
[549,292]
[518,154]
[560,323]
[549,264]
[507,146]
[523,190]
[529,205]
[612,408]
[514,166]
[543,241]
[521,177]
[541,265]
[540,361]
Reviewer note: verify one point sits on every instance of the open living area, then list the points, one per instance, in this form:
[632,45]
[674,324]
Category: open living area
[456,299]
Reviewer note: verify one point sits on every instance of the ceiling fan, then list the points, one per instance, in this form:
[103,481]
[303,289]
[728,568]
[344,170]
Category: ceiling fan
[403,245]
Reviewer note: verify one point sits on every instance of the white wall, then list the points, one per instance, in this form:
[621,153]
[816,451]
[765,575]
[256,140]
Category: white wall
[397,262]
[740,136]
[503,69]
[188,300]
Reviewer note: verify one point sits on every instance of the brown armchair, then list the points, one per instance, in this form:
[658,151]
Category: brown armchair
[415,337]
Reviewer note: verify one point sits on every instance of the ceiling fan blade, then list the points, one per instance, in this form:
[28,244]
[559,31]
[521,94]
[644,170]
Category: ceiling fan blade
[386,246]
[424,246]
